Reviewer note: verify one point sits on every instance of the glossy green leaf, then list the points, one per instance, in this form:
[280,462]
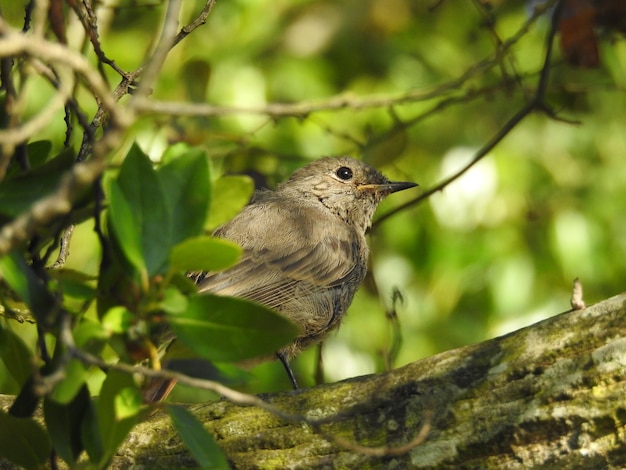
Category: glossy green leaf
[31,289]
[141,187]
[38,152]
[114,428]
[187,189]
[198,440]
[174,301]
[127,403]
[15,355]
[174,151]
[117,319]
[75,374]
[204,254]
[64,423]
[227,329]
[23,441]
[123,226]
[90,336]
[230,195]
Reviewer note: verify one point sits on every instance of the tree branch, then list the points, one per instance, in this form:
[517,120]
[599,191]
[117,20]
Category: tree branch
[547,395]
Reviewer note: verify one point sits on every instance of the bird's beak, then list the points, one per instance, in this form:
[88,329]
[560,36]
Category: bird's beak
[388,188]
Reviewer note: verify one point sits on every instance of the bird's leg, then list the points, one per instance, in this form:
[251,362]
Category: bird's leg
[283,359]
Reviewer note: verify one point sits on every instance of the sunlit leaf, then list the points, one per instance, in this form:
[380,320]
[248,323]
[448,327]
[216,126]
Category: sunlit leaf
[204,254]
[127,402]
[75,374]
[123,226]
[228,329]
[118,319]
[187,190]
[230,195]
[141,187]
[174,301]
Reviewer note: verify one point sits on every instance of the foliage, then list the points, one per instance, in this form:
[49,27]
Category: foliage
[144,164]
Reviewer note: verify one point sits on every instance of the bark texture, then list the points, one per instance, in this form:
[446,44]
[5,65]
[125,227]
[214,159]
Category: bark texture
[552,395]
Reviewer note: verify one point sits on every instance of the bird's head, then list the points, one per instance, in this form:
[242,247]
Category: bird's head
[349,188]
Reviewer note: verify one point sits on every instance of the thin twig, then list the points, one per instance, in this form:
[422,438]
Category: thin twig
[64,247]
[196,23]
[537,103]
[66,337]
[303,109]
[164,46]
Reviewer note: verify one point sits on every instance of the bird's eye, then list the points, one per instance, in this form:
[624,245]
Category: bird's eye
[344,173]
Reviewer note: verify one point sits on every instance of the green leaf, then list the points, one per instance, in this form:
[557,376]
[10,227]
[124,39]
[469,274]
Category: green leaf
[90,435]
[174,301]
[127,403]
[75,283]
[195,75]
[200,443]
[23,441]
[64,423]
[26,401]
[38,152]
[19,193]
[75,375]
[202,369]
[113,427]
[31,289]
[123,227]
[227,329]
[117,319]
[15,355]
[141,187]
[187,189]
[230,195]
[204,254]
[175,151]
[90,336]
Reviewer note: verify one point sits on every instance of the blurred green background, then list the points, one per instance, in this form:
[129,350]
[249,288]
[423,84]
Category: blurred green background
[496,250]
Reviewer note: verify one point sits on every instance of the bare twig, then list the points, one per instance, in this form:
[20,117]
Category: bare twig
[65,335]
[64,247]
[14,43]
[164,45]
[196,23]
[537,103]
[303,109]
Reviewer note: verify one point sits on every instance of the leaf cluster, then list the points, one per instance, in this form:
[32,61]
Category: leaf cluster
[150,220]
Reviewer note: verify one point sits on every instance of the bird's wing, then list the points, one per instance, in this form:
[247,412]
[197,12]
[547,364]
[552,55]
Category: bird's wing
[288,261]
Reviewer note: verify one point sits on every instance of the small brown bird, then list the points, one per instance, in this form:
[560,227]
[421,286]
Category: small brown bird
[304,247]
